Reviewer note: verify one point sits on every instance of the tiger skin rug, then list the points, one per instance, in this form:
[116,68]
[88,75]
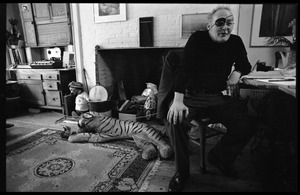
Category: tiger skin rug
[101,128]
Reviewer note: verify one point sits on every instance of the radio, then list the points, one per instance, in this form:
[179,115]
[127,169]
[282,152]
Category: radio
[53,53]
[53,60]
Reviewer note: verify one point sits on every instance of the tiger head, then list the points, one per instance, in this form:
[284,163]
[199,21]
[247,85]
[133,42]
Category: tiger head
[83,123]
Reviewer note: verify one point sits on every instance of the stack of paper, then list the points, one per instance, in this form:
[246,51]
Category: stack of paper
[264,75]
[286,81]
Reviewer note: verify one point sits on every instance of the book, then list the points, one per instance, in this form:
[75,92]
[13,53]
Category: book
[12,59]
[17,56]
[28,55]
[22,55]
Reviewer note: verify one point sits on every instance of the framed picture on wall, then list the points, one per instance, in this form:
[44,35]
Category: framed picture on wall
[109,12]
[191,23]
[271,20]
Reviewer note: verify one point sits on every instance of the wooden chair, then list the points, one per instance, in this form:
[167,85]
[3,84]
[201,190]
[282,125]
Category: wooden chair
[203,125]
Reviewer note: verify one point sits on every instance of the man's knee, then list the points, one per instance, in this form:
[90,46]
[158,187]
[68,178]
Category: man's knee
[246,129]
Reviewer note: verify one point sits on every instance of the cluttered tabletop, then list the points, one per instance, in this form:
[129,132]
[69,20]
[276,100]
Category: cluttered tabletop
[282,79]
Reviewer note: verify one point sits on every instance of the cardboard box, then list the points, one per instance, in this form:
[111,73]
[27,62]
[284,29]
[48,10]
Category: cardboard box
[132,115]
[126,116]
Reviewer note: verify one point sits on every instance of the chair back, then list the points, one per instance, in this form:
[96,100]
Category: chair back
[165,91]
[283,56]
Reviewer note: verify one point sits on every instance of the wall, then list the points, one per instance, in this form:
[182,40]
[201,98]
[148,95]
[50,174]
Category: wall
[12,11]
[264,54]
[87,34]
[167,21]
[166,31]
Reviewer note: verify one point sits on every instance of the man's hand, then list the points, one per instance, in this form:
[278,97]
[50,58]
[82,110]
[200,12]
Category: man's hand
[177,110]
[234,78]
[232,84]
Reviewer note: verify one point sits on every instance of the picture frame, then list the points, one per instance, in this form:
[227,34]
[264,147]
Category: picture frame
[256,39]
[109,12]
[191,23]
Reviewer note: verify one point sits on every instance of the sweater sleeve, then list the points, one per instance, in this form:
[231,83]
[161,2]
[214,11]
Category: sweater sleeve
[242,63]
[182,72]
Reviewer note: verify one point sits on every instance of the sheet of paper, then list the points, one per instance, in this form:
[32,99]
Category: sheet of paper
[264,75]
[287,83]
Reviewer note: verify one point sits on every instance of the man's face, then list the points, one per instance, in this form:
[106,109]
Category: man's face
[221,26]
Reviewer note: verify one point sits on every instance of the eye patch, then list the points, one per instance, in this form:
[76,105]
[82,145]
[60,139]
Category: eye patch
[222,21]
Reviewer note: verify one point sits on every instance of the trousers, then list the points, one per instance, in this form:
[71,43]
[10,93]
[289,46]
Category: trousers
[222,108]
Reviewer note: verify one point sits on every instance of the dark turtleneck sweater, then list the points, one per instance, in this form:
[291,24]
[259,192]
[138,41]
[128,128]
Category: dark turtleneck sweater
[207,64]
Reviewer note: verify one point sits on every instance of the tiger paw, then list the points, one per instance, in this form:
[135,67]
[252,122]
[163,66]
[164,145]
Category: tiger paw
[66,133]
[165,151]
[149,152]
[67,128]
[79,137]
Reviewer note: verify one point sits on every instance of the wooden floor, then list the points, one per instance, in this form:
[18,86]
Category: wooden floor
[257,172]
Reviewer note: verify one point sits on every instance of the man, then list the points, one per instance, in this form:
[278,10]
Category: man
[81,100]
[203,73]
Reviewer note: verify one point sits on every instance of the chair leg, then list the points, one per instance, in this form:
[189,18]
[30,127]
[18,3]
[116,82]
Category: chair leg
[202,144]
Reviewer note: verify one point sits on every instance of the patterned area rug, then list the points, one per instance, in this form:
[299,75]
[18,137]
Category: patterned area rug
[43,162]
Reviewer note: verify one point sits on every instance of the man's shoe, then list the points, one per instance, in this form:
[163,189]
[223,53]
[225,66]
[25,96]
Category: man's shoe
[227,170]
[177,182]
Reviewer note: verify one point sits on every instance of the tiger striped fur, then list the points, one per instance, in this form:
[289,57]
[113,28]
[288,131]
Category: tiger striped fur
[101,129]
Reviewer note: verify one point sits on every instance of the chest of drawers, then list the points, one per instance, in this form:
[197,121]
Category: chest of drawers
[45,88]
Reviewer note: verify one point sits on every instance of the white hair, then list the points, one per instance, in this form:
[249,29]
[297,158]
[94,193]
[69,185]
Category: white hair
[212,13]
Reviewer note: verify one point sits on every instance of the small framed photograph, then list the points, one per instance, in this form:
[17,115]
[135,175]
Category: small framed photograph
[109,12]
[191,23]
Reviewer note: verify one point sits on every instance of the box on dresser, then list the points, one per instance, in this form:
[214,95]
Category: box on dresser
[46,64]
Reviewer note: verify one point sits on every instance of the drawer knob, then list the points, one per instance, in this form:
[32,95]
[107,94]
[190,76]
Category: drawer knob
[53,99]
[28,77]
[49,77]
[50,86]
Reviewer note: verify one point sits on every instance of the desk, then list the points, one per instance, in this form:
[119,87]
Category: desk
[264,80]
[277,120]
